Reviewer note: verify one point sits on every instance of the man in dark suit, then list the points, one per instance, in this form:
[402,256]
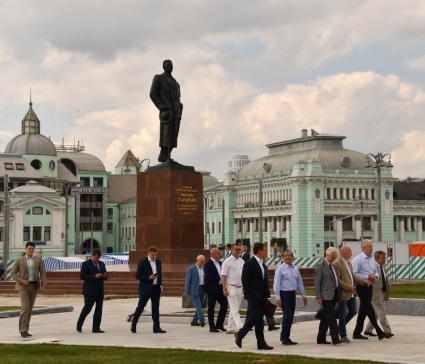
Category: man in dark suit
[214,291]
[149,275]
[326,289]
[245,253]
[256,291]
[93,273]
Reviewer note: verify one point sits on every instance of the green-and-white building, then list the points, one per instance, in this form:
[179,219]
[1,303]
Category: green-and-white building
[309,184]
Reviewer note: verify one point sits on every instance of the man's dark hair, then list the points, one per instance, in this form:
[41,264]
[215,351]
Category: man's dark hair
[379,253]
[152,248]
[257,247]
[96,253]
[229,246]
[30,243]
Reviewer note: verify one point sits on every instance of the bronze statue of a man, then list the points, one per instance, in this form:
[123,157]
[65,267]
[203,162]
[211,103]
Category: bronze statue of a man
[165,94]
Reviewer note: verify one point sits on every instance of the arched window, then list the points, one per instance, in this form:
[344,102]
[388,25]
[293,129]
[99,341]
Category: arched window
[48,212]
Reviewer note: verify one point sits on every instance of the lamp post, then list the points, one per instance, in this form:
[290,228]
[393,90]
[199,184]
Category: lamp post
[378,161]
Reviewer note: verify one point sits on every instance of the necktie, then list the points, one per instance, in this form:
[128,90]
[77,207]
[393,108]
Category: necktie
[384,283]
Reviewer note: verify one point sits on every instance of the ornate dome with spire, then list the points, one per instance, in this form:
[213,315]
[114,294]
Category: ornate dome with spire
[31,141]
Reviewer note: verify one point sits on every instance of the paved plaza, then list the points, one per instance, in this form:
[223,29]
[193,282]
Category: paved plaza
[407,346]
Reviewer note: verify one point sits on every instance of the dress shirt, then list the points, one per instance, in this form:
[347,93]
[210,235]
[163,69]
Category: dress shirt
[217,265]
[288,278]
[201,275]
[30,265]
[333,271]
[363,266]
[232,269]
[260,262]
[153,266]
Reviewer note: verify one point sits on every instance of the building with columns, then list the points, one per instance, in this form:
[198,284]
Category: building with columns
[315,192]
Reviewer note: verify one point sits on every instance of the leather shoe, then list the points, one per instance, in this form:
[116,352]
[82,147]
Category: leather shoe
[202,323]
[264,347]
[368,333]
[289,342]
[98,331]
[79,329]
[345,339]
[213,329]
[324,342]
[389,334]
[337,342]
[273,327]
[28,334]
[221,328]
[384,336]
[360,337]
[133,330]
[159,331]
[24,334]
[194,324]
[238,340]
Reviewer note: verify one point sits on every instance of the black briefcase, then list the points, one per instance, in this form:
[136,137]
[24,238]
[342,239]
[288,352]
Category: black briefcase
[269,308]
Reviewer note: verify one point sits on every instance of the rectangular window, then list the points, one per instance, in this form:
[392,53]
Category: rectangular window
[219,227]
[84,181]
[341,194]
[328,193]
[27,233]
[347,194]
[354,193]
[366,191]
[423,224]
[212,228]
[134,231]
[20,166]
[360,195]
[109,227]
[372,193]
[284,224]
[110,213]
[406,225]
[47,230]
[97,182]
[1,233]
[347,224]
[265,224]
[367,223]
[37,210]
[239,225]
[256,225]
[274,224]
[8,166]
[248,226]
[395,223]
[328,223]
[36,233]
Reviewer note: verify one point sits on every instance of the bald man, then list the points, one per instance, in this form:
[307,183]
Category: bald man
[214,290]
[194,285]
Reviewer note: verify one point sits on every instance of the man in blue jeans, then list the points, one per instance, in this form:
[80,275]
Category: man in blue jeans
[194,285]
[287,280]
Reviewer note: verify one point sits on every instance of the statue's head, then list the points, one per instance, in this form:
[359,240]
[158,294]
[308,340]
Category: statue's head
[167,65]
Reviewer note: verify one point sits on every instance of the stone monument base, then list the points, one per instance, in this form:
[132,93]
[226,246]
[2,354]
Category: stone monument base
[170,216]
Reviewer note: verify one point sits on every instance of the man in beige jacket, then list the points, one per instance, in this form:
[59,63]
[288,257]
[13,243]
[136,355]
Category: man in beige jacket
[29,275]
[381,293]
[347,281]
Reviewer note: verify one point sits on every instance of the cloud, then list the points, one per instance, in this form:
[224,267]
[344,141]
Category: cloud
[410,155]
[417,64]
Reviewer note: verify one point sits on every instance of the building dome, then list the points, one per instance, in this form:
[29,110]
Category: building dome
[31,141]
[327,150]
[207,179]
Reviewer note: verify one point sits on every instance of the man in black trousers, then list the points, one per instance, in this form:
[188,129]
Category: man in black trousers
[149,275]
[214,291]
[256,291]
[93,273]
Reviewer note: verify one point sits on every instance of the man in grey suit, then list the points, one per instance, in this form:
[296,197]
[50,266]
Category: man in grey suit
[326,288]
[381,291]
[29,274]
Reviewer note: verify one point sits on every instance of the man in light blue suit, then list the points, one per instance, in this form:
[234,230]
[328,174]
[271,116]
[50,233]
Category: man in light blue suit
[194,285]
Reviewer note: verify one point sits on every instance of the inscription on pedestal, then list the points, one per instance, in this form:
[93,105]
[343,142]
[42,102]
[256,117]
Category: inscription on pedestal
[187,198]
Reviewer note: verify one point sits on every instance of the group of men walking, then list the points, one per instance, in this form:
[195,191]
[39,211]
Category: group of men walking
[338,281]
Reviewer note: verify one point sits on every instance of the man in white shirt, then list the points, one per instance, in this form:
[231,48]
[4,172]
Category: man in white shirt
[231,279]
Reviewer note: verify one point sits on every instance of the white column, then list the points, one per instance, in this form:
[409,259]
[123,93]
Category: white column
[278,226]
[269,236]
[344,197]
[288,230]
[401,228]
[419,228]
[409,223]
[358,228]
[18,228]
[338,232]
[331,194]
[337,197]
[251,231]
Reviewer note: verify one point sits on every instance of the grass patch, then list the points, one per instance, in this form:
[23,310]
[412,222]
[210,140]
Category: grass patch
[404,290]
[9,308]
[64,354]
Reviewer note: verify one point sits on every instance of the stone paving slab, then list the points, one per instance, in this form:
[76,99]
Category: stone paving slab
[407,346]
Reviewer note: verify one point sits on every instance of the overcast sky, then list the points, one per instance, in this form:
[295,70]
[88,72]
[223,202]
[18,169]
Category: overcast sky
[251,73]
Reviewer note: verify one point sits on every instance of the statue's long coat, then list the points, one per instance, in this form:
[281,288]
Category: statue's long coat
[165,94]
